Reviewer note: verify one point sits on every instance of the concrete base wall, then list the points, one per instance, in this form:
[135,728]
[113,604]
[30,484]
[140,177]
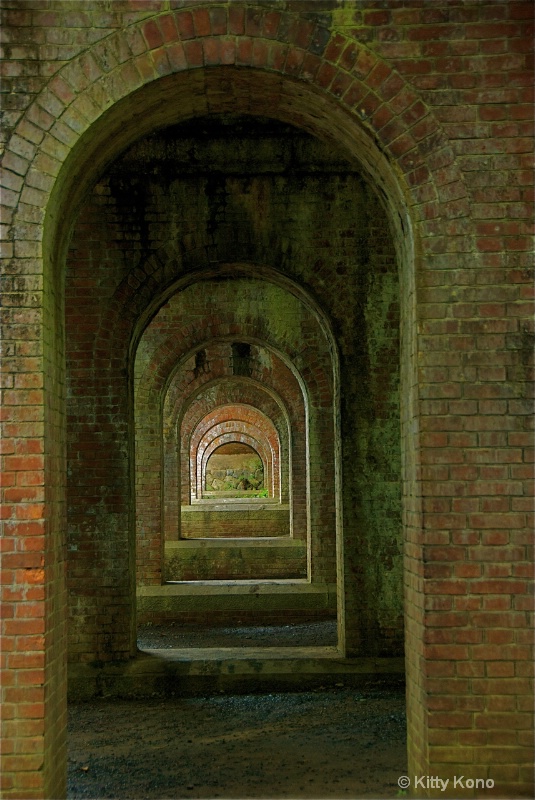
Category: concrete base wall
[208,559]
[243,520]
[245,670]
[235,602]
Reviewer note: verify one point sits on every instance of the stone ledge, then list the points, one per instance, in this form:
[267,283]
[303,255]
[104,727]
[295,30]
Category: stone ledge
[225,559]
[234,505]
[234,601]
[191,671]
[297,587]
[237,543]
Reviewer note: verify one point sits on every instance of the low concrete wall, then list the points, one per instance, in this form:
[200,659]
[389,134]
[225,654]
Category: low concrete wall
[216,559]
[235,602]
[234,519]
[186,673]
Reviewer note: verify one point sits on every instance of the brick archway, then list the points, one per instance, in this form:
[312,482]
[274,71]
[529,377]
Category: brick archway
[65,188]
[306,365]
[233,420]
[248,436]
[181,422]
[249,393]
[277,42]
[364,97]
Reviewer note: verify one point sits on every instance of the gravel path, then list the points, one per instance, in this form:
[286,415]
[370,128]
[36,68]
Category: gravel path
[327,743]
[322,744]
[311,634]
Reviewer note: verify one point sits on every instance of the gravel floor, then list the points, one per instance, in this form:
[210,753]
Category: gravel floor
[327,743]
[311,634]
[321,744]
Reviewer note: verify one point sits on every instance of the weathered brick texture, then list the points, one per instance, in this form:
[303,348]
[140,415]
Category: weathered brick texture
[432,103]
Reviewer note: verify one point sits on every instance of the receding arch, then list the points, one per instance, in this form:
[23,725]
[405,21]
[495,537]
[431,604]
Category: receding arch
[129,298]
[130,293]
[236,418]
[247,440]
[313,366]
[218,393]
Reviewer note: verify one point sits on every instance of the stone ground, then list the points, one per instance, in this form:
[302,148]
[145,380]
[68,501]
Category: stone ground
[334,742]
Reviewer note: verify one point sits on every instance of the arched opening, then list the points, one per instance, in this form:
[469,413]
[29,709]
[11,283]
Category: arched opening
[306,114]
[232,469]
[283,403]
[268,214]
[227,428]
[250,402]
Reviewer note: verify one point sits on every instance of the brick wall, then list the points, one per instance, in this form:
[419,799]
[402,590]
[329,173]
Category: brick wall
[434,102]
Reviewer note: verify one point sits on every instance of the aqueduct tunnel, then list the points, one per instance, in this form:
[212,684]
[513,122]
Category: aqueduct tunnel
[301,228]
[287,220]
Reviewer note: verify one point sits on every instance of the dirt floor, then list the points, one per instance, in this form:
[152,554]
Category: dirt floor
[334,742]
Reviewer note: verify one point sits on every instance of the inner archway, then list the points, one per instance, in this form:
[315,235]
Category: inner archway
[229,425]
[234,468]
[269,216]
[284,402]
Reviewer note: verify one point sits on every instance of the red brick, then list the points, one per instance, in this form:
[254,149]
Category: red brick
[185,26]
[168,28]
[218,21]
[236,20]
[201,21]
[194,53]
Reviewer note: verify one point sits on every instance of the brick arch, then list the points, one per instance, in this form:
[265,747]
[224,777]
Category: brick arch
[405,131]
[289,421]
[313,365]
[312,369]
[233,391]
[182,397]
[423,200]
[302,56]
[248,436]
[313,99]
[280,43]
[181,386]
[185,401]
[242,418]
[230,433]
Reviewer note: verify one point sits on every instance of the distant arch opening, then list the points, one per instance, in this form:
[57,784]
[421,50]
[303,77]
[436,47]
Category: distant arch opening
[234,470]
[238,462]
